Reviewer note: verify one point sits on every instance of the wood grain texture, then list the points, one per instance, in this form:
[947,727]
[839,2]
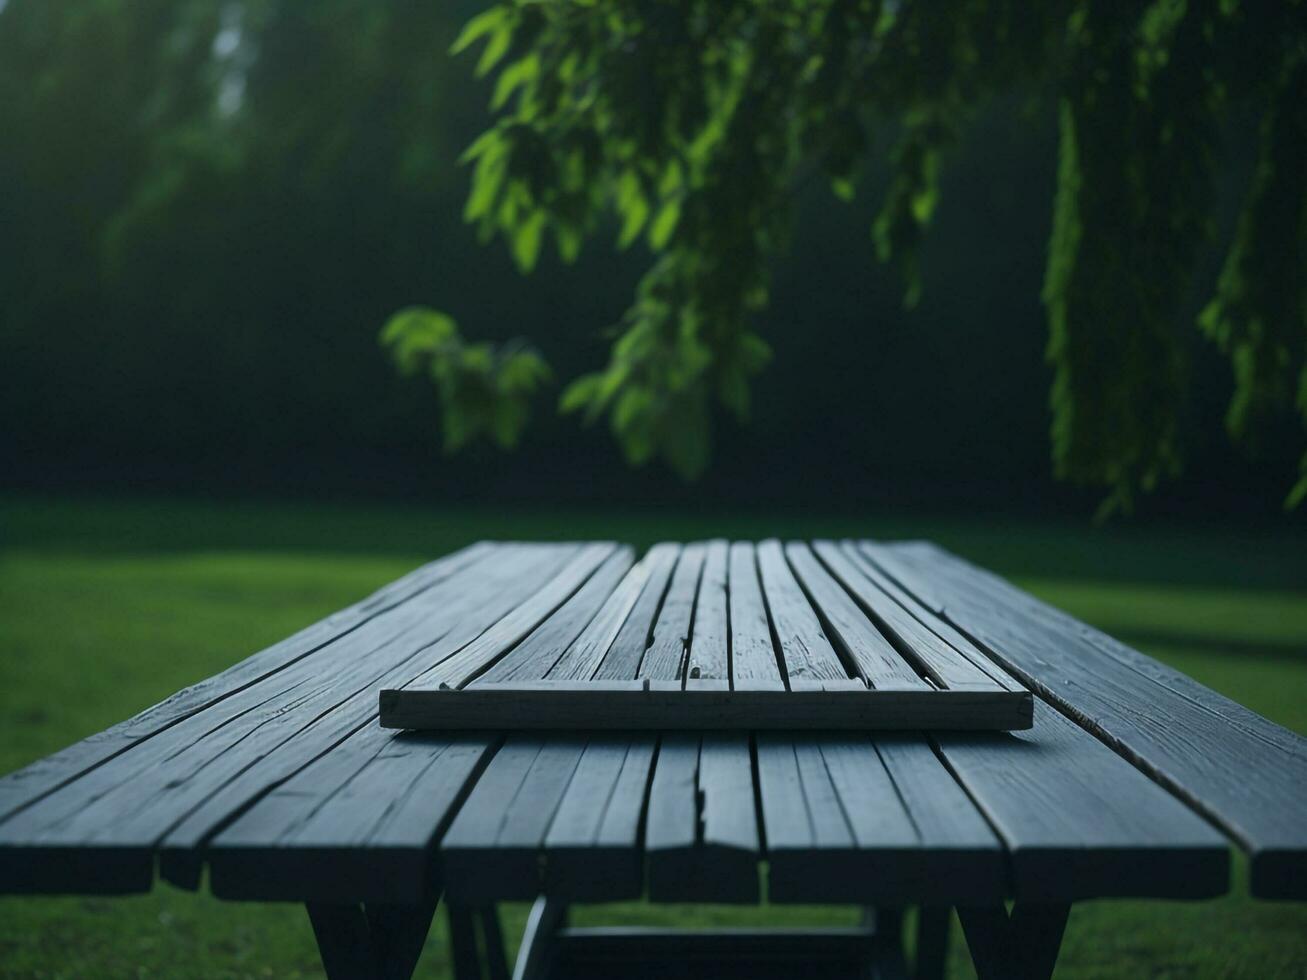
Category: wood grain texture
[933,622]
[806,651]
[947,667]
[1245,773]
[581,659]
[754,663]
[839,827]
[592,850]
[537,655]
[670,640]
[865,652]
[701,835]
[1079,821]
[622,659]
[29,784]
[474,658]
[279,778]
[171,791]
[492,850]
[356,825]
[709,653]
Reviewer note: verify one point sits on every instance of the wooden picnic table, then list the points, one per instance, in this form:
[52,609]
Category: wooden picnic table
[275,776]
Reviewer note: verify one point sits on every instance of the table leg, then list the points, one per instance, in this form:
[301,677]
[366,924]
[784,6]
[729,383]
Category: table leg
[463,956]
[536,951]
[493,940]
[887,926]
[1020,946]
[370,942]
[932,943]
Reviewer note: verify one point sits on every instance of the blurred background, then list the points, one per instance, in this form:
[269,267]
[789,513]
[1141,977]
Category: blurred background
[208,210]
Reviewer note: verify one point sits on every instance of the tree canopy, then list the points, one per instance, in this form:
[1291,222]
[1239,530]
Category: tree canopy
[690,125]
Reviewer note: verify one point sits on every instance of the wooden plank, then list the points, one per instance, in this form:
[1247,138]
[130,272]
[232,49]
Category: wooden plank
[536,656]
[701,839]
[492,850]
[709,653]
[839,829]
[665,658]
[961,861]
[626,705]
[947,667]
[171,791]
[479,655]
[356,825]
[865,651]
[592,851]
[753,652]
[809,845]
[622,659]
[1243,772]
[806,651]
[508,586]
[940,627]
[583,656]
[1079,821]
[31,783]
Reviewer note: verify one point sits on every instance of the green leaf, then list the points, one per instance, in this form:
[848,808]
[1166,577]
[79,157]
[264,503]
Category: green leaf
[495,49]
[634,207]
[479,26]
[416,334]
[580,393]
[526,240]
[660,232]
[519,73]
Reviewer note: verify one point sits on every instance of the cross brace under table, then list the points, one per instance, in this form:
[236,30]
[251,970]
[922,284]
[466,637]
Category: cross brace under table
[383,942]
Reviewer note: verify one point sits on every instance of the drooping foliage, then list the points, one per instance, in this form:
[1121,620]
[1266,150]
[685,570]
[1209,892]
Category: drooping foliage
[689,124]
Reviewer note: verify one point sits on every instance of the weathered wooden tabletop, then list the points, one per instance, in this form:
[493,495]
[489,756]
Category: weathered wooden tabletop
[276,776]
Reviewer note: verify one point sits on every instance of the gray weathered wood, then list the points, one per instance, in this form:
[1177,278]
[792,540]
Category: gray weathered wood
[753,652]
[479,655]
[1245,773]
[805,649]
[940,627]
[583,656]
[493,847]
[701,836]
[536,656]
[665,657]
[31,783]
[622,659]
[626,705]
[947,667]
[1079,821]
[358,824]
[840,826]
[864,650]
[592,850]
[172,790]
[709,657]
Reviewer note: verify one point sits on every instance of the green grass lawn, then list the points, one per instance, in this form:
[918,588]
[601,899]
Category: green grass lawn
[107,607]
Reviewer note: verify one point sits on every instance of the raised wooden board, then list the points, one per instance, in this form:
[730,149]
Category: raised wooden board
[633,706]
[746,637]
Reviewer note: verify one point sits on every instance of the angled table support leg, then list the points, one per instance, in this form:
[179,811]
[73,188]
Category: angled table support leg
[1022,945]
[932,943]
[370,942]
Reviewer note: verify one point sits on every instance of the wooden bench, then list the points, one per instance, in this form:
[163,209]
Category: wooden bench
[275,777]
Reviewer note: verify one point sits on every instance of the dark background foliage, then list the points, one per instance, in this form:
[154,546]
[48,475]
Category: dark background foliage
[199,241]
